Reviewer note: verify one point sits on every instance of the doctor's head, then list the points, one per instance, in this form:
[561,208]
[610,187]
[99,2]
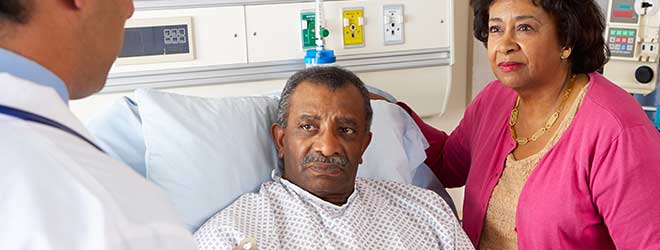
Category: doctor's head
[78,40]
[322,131]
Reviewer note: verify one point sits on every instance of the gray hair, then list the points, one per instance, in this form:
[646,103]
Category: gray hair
[332,78]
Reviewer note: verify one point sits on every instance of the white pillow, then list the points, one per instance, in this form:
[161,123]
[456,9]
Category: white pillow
[206,152]
[397,145]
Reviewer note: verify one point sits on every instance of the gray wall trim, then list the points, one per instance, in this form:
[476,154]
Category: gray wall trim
[225,74]
[187,4]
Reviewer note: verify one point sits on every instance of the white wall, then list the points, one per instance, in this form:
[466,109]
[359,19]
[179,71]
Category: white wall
[481,71]
[604,4]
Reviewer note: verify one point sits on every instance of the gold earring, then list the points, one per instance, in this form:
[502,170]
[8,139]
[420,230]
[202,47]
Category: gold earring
[565,53]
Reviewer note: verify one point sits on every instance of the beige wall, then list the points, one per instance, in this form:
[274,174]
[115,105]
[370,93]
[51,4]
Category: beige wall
[481,72]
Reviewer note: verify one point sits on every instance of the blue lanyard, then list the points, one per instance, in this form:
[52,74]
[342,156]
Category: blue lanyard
[27,116]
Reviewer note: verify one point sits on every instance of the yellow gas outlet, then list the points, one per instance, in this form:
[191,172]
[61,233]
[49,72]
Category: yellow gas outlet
[353,31]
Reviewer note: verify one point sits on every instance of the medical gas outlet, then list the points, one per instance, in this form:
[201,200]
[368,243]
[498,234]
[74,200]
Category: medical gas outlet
[353,27]
[308,29]
[393,20]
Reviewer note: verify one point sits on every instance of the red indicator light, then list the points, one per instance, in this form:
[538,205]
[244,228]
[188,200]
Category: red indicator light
[623,14]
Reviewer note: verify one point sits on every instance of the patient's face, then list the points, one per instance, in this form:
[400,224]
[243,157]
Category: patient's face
[324,140]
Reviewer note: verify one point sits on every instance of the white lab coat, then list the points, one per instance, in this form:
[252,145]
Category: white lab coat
[59,192]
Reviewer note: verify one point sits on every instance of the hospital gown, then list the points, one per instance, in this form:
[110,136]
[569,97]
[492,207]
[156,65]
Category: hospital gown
[378,215]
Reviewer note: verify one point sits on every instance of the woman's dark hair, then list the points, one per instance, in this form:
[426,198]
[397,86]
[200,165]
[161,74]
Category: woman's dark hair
[580,24]
[17,11]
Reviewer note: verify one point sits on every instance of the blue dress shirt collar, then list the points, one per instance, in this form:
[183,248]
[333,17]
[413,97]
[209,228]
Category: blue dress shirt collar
[24,68]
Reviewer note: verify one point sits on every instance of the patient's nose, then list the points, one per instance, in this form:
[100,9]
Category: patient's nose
[327,144]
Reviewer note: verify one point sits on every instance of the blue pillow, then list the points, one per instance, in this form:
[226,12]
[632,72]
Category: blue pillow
[117,129]
[206,152]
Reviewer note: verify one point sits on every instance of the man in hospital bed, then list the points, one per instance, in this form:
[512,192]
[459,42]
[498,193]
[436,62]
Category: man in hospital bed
[316,201]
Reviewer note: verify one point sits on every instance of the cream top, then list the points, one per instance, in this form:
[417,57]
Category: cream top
[499,230]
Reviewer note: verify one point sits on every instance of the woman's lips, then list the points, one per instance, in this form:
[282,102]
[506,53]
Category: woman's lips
[510,66]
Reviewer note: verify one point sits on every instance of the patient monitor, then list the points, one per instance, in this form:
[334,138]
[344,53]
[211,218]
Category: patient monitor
[632,37]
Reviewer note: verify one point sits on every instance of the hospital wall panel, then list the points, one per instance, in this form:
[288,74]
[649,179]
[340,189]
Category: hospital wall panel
[219,36]
[257,43]
[277,37]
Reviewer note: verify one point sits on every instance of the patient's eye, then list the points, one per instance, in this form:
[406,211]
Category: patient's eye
[348,131]
[307,127]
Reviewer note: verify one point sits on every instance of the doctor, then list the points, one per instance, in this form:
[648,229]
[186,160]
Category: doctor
[58,190]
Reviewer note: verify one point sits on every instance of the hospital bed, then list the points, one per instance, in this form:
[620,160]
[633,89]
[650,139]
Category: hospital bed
[206,152]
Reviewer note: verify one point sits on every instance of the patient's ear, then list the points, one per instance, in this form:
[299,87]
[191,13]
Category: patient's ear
[277,132]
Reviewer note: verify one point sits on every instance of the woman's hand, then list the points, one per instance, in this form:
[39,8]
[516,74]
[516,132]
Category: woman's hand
[373,96]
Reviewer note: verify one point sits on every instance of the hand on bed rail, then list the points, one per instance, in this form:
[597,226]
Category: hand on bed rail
[373,96]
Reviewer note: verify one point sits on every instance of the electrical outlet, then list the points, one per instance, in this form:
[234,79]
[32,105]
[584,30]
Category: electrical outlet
[353,27]
[308,29]
[649,52]
[393,24]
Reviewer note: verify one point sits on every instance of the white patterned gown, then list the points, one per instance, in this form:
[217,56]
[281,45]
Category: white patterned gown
[378,215]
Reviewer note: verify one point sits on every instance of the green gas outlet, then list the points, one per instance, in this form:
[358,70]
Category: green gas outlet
[308,29]
[308,25]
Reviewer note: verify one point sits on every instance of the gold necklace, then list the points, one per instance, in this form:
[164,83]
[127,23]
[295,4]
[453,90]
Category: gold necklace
[551,121]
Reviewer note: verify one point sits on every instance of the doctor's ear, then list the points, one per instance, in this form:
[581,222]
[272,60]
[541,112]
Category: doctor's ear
[78,4]
[277,131]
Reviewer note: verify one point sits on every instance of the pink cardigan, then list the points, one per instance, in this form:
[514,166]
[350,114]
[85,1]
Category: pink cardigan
[597,188]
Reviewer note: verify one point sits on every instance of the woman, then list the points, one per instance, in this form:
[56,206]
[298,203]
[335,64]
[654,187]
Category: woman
[552,155]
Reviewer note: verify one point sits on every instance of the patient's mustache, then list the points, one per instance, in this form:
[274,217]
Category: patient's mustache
[338,160]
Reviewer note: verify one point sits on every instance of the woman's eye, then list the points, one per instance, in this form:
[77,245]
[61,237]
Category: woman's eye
[493,29]
[525,27]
